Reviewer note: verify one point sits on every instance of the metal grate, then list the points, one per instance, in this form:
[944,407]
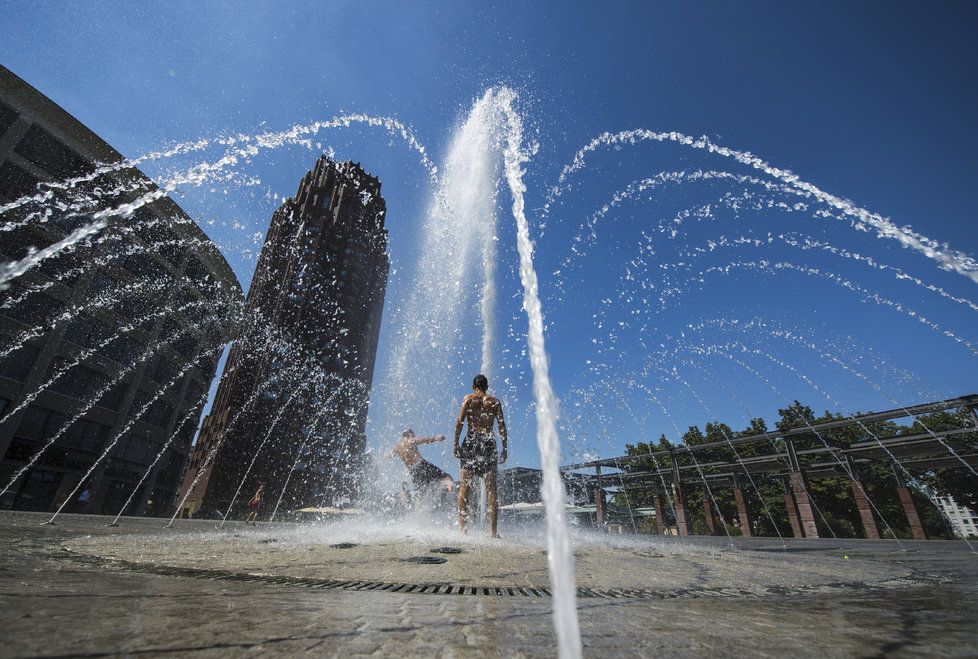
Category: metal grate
[507,591]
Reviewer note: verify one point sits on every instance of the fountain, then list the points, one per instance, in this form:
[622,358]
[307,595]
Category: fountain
[446,326]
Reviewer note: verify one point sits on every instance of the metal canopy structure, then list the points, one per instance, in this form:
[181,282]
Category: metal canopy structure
[915,453]
[922,451]
[799,455]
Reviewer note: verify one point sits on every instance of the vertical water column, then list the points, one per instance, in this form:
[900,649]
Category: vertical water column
[487,305]
[447,318]
[459,234]
[559,552]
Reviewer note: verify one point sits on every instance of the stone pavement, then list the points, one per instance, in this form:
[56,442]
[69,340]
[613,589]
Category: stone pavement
[125,594]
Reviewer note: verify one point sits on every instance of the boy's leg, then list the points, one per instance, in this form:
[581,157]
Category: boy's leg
[491,502]
[463,498]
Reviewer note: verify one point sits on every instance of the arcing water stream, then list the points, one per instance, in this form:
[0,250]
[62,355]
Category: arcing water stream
[950,259]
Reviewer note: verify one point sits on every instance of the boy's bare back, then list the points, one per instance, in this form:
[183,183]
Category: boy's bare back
[480,411]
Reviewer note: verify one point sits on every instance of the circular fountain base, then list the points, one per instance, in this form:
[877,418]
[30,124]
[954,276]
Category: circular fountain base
[374,558]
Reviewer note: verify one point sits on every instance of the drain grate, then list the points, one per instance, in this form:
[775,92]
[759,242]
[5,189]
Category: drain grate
[646,554]
[456,589]
[426,560]
[446,550]
[344,545]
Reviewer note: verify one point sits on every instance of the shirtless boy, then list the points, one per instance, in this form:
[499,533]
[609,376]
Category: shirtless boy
[478,452]
[424,475]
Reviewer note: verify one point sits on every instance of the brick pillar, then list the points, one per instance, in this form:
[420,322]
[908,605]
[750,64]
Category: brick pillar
[660,520]
[789,503]
[599,507]
[680,502]
[743,514]
[598,500]
[711,521]
[865,510]
[806,514]
[678,496]
[910,509]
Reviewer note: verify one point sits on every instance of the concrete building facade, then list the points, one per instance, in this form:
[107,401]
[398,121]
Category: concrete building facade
[111,343]
[963,520]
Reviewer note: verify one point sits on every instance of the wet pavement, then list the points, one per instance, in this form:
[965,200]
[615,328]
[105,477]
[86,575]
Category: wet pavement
[79,588]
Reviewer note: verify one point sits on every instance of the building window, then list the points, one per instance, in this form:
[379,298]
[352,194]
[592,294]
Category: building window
[159,369]
[44,150]
[17,365]
[140,452]
[18,242]
[159,411]
[140,266]
[134,307]
[78,381]
[86,332]
[39,423]
[36,310]
[206,366]
[101,283]
[123,350]
[58,267]
[195,391]
[163,240]
[185,345]
[112,399]
[68,220]
[139,401]
[197,272]
[16,182]
[87,436]
[7,118]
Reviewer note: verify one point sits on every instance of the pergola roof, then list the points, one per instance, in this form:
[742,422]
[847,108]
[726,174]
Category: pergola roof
[918,452]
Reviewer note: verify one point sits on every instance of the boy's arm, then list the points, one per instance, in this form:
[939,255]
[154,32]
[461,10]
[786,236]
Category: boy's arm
[427,440]
[503,436]
[459,423]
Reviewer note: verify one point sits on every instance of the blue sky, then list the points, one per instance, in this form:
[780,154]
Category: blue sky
[875,102]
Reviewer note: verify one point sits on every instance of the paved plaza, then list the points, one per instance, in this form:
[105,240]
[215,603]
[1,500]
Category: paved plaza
[80,588]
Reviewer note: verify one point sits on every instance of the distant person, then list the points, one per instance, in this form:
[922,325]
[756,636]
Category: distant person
[477,453]
[83,499]
[424,475]
[255,504]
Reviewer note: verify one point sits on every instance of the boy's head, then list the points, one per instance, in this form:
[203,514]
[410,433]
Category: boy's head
[480,383]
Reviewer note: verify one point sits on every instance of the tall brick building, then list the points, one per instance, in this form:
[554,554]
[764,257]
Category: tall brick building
[291,407]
